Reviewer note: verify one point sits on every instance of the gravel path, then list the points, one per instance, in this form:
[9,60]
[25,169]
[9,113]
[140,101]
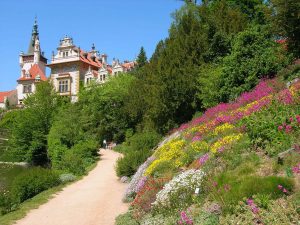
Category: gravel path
[94,200]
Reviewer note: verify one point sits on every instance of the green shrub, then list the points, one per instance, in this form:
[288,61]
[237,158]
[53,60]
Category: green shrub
[280,211]
[136,150]
[7,203]
[125,219]
[87,150]
[76,159]
[289,73]
[128,165]
[32,182]
[262,127]
[247,186]
[72,163]
[65,178]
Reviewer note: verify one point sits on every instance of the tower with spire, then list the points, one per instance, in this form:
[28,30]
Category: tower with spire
[32,66]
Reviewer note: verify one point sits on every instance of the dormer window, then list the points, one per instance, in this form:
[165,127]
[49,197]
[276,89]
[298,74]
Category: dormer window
[38,78]
[27,88]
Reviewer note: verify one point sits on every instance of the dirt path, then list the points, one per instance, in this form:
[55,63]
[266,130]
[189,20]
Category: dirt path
[94,200]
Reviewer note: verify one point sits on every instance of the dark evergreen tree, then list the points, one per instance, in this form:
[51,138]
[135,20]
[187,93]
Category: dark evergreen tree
[287,23]
[142,58]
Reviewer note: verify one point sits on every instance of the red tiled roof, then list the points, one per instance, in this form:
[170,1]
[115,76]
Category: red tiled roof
[5,94]
[128,65]
[89,60]
[34,71]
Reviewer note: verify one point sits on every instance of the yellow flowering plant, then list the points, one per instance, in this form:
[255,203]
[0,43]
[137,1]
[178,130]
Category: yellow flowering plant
[171,152]
[223,128]
[225,142]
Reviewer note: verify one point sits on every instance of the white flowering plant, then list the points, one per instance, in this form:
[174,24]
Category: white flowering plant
[179,192]
[136,181]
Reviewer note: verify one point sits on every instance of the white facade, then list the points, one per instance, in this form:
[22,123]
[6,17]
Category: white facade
[32,67]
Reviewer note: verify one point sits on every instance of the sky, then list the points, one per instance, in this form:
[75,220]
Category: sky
[117,27]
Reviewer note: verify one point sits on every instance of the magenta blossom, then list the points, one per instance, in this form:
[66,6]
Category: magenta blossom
[296,169]
[196,138]
[288,129]
[252,205]
[203,159]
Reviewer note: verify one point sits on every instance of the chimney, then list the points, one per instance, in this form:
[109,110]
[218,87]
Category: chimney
[104,58]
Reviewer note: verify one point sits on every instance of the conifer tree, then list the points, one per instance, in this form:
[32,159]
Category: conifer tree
[142,58]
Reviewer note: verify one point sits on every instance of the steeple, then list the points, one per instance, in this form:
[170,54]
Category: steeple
[34,36]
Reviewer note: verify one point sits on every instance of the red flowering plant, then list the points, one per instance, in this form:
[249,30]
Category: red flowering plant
[147,195]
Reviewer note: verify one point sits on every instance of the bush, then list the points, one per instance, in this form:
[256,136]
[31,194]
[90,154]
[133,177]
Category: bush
[72,163]
[128,165]
[136,150]
[76,159]
[240,187]
[125,219]
[32,182]
[280,211]
[65,178]
[289,73]
[7,202]
[263,127]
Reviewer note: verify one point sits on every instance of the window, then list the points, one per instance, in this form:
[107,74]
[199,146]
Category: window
[67,53]
[27,88]
[100,77]
[63,86]
[88,80]
[103,77]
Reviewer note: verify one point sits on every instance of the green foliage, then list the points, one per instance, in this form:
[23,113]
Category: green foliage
[31,125]
[209,85]
[287,23]
[32,182]
[289,73]
[280,211]
[262,127]
[126,219]
[142,58]
[136,150]
[254,55]
[128,165]
[102,108]
[247,186]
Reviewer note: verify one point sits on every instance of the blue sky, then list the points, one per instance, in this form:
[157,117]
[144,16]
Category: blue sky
[117,27]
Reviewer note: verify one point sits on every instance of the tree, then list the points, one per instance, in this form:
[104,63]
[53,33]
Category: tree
[103,110]
[254,55]
[287,23]
[142,58]
[32,125]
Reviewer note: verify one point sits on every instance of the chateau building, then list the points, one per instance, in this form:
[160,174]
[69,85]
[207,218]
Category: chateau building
[33,65]
[8,98]
[71,67]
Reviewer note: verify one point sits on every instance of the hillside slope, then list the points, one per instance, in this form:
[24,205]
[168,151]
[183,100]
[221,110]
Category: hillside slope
[238,163]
